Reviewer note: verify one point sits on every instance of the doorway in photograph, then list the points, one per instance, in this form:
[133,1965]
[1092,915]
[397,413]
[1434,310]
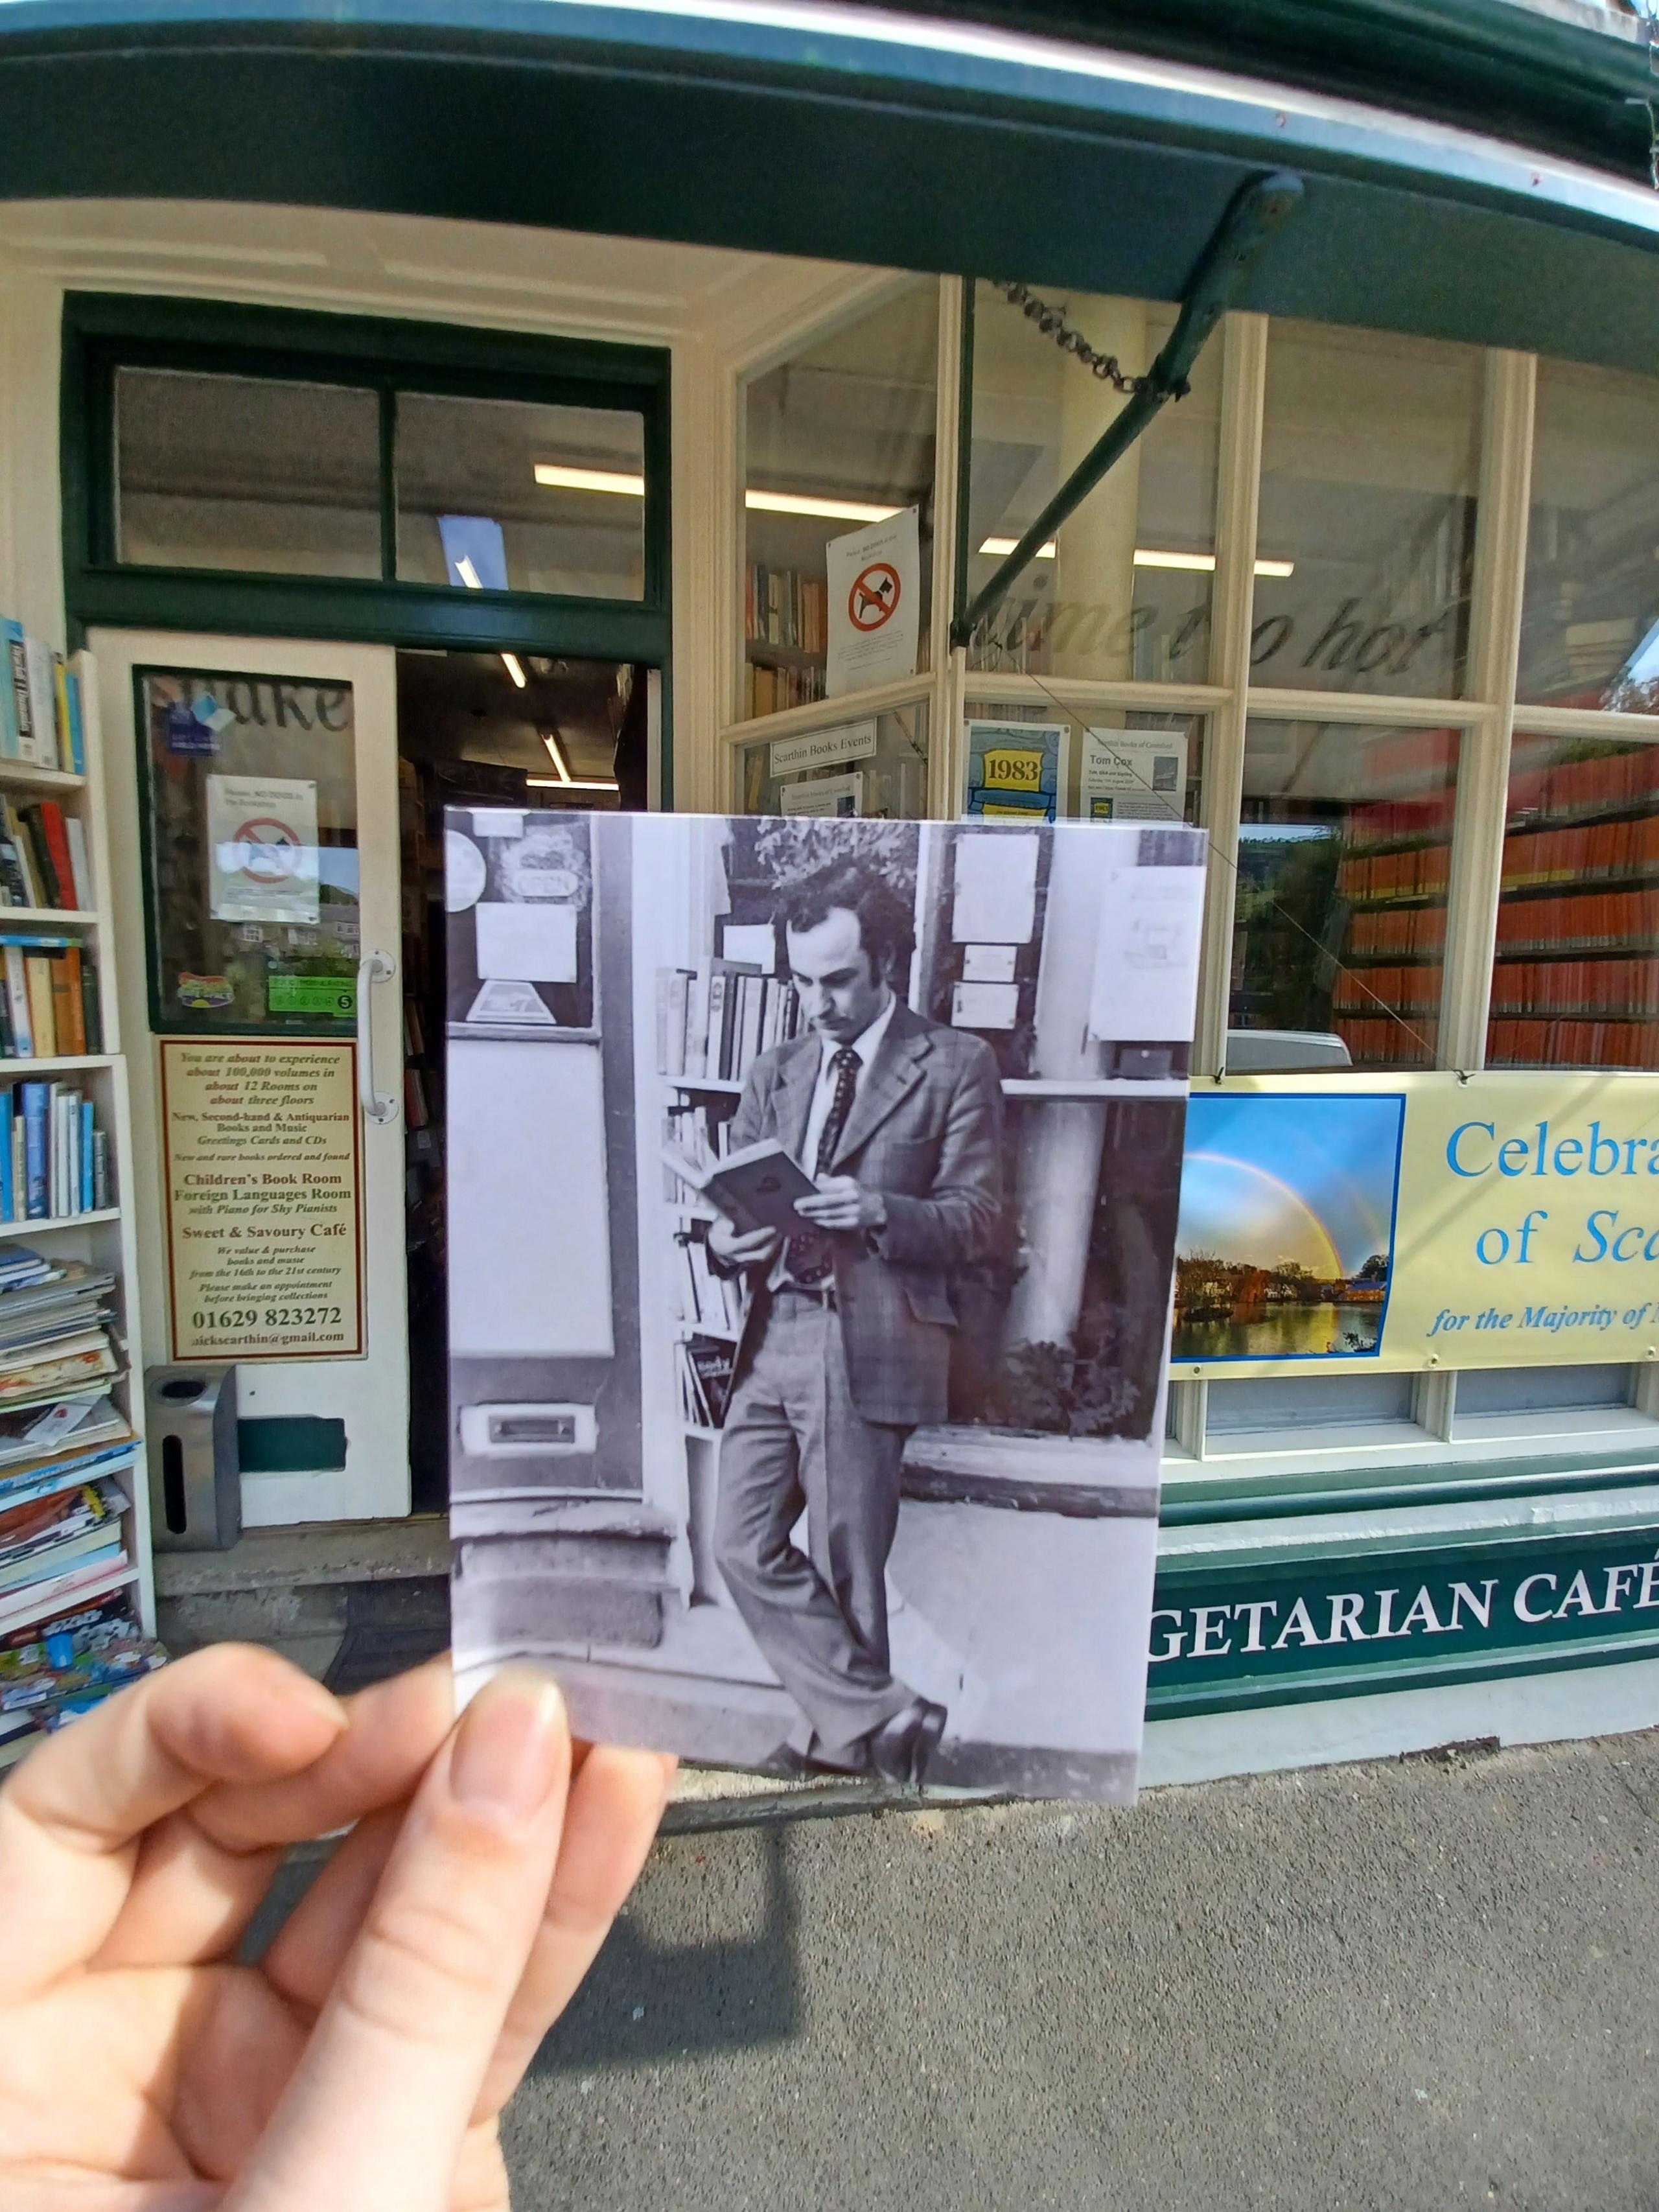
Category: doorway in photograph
[532,735]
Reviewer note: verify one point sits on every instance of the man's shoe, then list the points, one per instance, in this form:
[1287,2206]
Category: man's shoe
[901,1748]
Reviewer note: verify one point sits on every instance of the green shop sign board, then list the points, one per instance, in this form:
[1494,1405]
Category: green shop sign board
[1230,1637]
[312,994]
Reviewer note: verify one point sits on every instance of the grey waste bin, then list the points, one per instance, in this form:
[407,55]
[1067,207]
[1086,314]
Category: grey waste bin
[195,1478]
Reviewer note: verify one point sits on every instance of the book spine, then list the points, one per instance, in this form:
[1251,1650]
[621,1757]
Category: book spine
[7,1195]
[88,1138]
[80,673]
[62,1034]
[45,875]
[17,1002]
[32,893]
[37,971]
[100,1190]
[57,847]
[72,1023]
[36,1100]
[43,702]
[91,1006]
[60,690]
[19,730]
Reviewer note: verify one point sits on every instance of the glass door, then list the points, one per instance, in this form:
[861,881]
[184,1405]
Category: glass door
[254,824]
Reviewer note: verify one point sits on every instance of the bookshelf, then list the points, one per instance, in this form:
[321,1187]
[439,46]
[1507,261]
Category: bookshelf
[101,1236]
[786,639]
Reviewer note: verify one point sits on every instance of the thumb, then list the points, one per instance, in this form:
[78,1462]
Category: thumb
[375,2112]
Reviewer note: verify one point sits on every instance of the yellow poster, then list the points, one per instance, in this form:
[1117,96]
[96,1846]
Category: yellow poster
[263,1200]
[1418,1221]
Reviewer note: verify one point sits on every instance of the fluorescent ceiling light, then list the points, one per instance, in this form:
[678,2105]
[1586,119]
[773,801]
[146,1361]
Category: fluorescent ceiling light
[559,478]
[1146,557]
[514,669]
[569,783]
[510,661]
[832,510]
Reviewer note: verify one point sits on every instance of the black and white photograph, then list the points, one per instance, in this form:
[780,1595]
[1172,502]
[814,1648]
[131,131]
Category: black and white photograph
[813,1193]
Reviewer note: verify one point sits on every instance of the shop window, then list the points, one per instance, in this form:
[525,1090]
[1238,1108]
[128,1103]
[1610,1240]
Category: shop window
[1575,979]
[1339,933]
[247,473]
[1482,1391]
[1101,765]
[1589,631]
[1238,1406]
[1365,534]
[877,765]
[508,496]
[1124,592]
[838,440]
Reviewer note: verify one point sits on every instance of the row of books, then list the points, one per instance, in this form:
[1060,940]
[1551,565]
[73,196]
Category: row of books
[774,691]
[703,1136]
[43,857]
[715,1020]
[1572,1044]
[1597,785]
[1385,821]
[1408,990]
[782,607]
[1592,921]
[706,1300]
[54,1158]
[1420,871]
[1376,1041]
[42,703]
[49,1006]
[55,1670]
[1576,986]
[1413,930]
[705,1377]
[1627,847]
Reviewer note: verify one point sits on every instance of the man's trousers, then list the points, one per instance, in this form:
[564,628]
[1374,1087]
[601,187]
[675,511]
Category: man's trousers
[793,1437]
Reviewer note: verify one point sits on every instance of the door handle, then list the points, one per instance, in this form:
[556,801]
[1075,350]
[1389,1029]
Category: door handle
[373,967]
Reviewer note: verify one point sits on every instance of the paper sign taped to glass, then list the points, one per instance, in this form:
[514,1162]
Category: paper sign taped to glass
[811,1254]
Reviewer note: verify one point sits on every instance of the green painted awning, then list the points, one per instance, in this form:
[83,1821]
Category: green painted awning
[941,141]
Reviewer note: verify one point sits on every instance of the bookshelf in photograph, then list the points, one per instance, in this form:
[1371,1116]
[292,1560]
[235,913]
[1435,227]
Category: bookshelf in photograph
[714,1021]
[77,1603]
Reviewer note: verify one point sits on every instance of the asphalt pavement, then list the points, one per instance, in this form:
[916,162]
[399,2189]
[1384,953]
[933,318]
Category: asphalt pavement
[1403,1986]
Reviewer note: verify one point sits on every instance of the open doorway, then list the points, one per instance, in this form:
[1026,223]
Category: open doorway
[478,729]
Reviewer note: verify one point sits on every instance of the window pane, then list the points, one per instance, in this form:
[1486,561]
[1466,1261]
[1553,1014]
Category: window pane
[876,766]
[1589,631]
[1110,765]
[525,498]
[1341,916]
[250,805]
[1126,592]
[1576,982]
[1370,456]
[1539,1389]
[239,472]
[1236,1405]
[847,424]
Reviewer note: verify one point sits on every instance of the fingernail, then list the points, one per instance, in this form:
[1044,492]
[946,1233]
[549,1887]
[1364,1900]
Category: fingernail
[508,1748]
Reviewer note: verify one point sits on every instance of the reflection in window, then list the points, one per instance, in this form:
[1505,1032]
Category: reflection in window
[505,496]
[1124,592]
[247,473]
[1345,840]
[1575,979]
[873,766]
[838,437]
[1589,629]
[1113,765]
[1365,540]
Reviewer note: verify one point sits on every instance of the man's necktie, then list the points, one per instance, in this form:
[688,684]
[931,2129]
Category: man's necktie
[810,1256]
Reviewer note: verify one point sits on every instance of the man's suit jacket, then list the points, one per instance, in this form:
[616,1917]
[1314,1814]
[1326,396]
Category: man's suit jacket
[926,1130]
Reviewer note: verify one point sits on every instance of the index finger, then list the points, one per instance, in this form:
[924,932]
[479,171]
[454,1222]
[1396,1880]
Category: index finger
[72,1814]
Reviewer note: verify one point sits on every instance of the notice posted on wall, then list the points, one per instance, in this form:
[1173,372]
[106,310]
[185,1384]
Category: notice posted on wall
[875,604]
[263,1200]
[262,848]
[1133,775]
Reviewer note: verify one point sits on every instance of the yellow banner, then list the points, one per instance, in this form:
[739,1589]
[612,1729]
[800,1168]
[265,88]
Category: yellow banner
[1418,1221]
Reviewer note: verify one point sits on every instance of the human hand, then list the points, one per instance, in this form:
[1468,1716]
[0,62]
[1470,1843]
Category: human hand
[361,2067]
[741,1248]
[839,1203]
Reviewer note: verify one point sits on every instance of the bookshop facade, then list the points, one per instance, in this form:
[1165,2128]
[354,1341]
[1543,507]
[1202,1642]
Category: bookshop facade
[359,497]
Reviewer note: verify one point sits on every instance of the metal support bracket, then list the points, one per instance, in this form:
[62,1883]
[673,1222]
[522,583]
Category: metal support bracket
[1240,239]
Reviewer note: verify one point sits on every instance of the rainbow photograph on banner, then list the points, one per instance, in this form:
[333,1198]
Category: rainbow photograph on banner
[1284,1249]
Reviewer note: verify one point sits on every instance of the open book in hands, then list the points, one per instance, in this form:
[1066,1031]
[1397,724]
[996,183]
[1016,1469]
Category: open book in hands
[755,1188]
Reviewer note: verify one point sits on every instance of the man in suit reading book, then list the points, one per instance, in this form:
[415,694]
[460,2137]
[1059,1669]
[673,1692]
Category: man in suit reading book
[847,1344]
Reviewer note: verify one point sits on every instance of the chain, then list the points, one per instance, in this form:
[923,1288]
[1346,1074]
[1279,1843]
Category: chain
[1053,324]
